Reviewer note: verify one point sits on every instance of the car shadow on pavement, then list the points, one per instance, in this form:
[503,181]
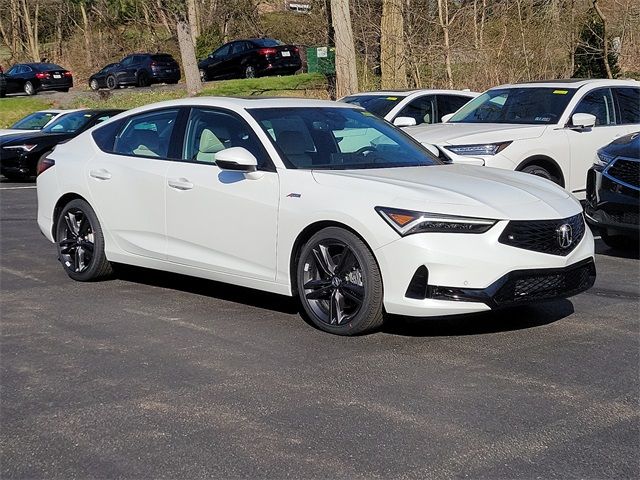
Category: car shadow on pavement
[509,319]
[209,288]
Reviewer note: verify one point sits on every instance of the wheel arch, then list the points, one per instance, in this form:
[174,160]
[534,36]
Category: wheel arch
[60,204]
[546,162]
[306,234]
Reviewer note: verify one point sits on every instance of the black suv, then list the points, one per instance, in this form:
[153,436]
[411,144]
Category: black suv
[613,192]
[139,69]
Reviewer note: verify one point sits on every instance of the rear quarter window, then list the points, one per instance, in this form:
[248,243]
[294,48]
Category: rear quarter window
[105,136]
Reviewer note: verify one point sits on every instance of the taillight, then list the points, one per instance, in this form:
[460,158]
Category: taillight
[67,74]
[154,64]
[296,49]
[43,164]
[267,51]
[42,75]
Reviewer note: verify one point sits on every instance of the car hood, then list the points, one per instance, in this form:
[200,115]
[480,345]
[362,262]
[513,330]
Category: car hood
[36,137]
[464,190]
[471,133]
[9,131]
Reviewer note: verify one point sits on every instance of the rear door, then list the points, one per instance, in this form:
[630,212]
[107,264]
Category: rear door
[14,80]
[126,72]
[628,100]
[127,180]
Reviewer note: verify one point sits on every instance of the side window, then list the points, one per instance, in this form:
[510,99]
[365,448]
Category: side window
[105,136]
[211,131]
[599,103]
[147,135]
[629,104]
[222,51]
[448,104]
[13,71]
[127,61]
[420,109]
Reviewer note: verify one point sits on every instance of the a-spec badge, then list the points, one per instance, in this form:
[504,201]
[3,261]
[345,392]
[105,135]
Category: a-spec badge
[294,195]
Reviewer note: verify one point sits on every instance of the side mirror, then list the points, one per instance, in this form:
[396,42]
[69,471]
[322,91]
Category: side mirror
[432,148]
[583,120]
[238,159]
[447,117]
[404,122]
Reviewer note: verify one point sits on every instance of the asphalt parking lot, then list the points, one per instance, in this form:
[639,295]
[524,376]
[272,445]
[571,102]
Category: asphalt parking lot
[154,375]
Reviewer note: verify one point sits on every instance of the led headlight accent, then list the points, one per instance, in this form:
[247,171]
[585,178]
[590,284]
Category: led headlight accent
[406,222]
[24,148]
[603,159]
[480,149]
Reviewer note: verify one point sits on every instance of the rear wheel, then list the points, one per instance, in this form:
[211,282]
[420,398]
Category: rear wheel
[81,243]
[29,89]
[339,283]
[541,172]
[143,79]
[112,83]
[249,71]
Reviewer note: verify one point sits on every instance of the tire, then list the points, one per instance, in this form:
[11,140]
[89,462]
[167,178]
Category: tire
[112,82]
[64,90]
[541,172]
[203,76]
[79,235]
[94,85]
[619,242]
[143,79]
[250,72]
[29,89]
[343,293]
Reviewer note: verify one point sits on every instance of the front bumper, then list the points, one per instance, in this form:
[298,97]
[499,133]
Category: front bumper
[610,204]
[16,164]
[475,272]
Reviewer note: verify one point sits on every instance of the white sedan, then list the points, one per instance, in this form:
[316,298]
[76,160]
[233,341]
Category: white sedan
[35,121]
[309,198]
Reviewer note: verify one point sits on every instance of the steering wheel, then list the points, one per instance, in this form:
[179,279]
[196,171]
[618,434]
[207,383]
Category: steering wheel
[365,149]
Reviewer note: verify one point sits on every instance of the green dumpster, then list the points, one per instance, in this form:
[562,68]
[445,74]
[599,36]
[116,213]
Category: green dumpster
[321,60]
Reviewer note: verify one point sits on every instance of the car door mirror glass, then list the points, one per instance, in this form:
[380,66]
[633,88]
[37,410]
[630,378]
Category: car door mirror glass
[404,122]
[583,120]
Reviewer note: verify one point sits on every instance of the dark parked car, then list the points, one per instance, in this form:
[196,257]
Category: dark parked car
[251,58]
[139,69]
[32,78]
[3,83]
[613,192]
[20,152]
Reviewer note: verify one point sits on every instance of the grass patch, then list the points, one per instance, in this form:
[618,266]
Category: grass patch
[304,85]
[13,109]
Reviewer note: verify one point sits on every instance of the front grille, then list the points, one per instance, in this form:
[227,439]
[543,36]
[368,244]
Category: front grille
[625,171]
[528,286]
[544,236]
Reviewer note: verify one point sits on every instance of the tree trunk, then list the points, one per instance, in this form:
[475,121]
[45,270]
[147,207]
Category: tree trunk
[192,15]
[392,55]
[346,73]
[605,40]
[31,32]
[87,34]
[443,17]
[189,62]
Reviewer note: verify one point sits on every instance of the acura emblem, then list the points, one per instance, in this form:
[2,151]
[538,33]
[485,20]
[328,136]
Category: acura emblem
[565,235]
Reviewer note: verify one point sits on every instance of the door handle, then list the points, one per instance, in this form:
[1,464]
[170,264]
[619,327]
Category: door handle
[100,174]
[180,183]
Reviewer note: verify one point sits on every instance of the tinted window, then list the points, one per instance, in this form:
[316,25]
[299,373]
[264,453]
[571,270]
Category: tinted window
[13,70]
[378,104]
[449,104]
[516,105]
[147,135]
[35,121]
[105,136]
[69,123]
[599,103]
[338,138]
[127,61]
[267,42]
[210,131]
[222,51]
[49,66]
[162,58]
[420,109]
[237,47]
[629,103]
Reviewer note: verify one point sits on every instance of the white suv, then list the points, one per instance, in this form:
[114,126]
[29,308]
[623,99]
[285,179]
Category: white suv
[551,128]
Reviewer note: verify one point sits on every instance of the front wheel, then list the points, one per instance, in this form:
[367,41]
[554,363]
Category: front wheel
[81,243]
[94,85]
[339,283]
[541,172]
[203,75]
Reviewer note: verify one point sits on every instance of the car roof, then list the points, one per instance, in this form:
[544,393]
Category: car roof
[572,83]
[408,92]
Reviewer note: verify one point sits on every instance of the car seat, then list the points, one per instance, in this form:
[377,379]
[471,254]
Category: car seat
[291,145]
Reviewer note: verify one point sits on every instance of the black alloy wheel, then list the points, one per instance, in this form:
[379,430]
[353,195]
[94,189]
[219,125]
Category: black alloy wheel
[112,83]
[339,283]
[143,79]
[81,243]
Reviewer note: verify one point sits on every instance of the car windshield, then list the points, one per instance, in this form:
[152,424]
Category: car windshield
[378,104]
[538,106]
[69,123]
[339,138]
[35,121]
[267,42]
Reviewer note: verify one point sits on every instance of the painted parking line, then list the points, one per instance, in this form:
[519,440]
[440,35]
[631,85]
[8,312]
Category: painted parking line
[17,188]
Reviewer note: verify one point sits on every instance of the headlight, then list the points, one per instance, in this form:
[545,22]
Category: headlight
[24,148]
[603,159]
[480,149]
[406,222]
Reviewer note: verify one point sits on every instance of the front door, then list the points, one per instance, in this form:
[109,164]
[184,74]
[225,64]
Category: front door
[220,220]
